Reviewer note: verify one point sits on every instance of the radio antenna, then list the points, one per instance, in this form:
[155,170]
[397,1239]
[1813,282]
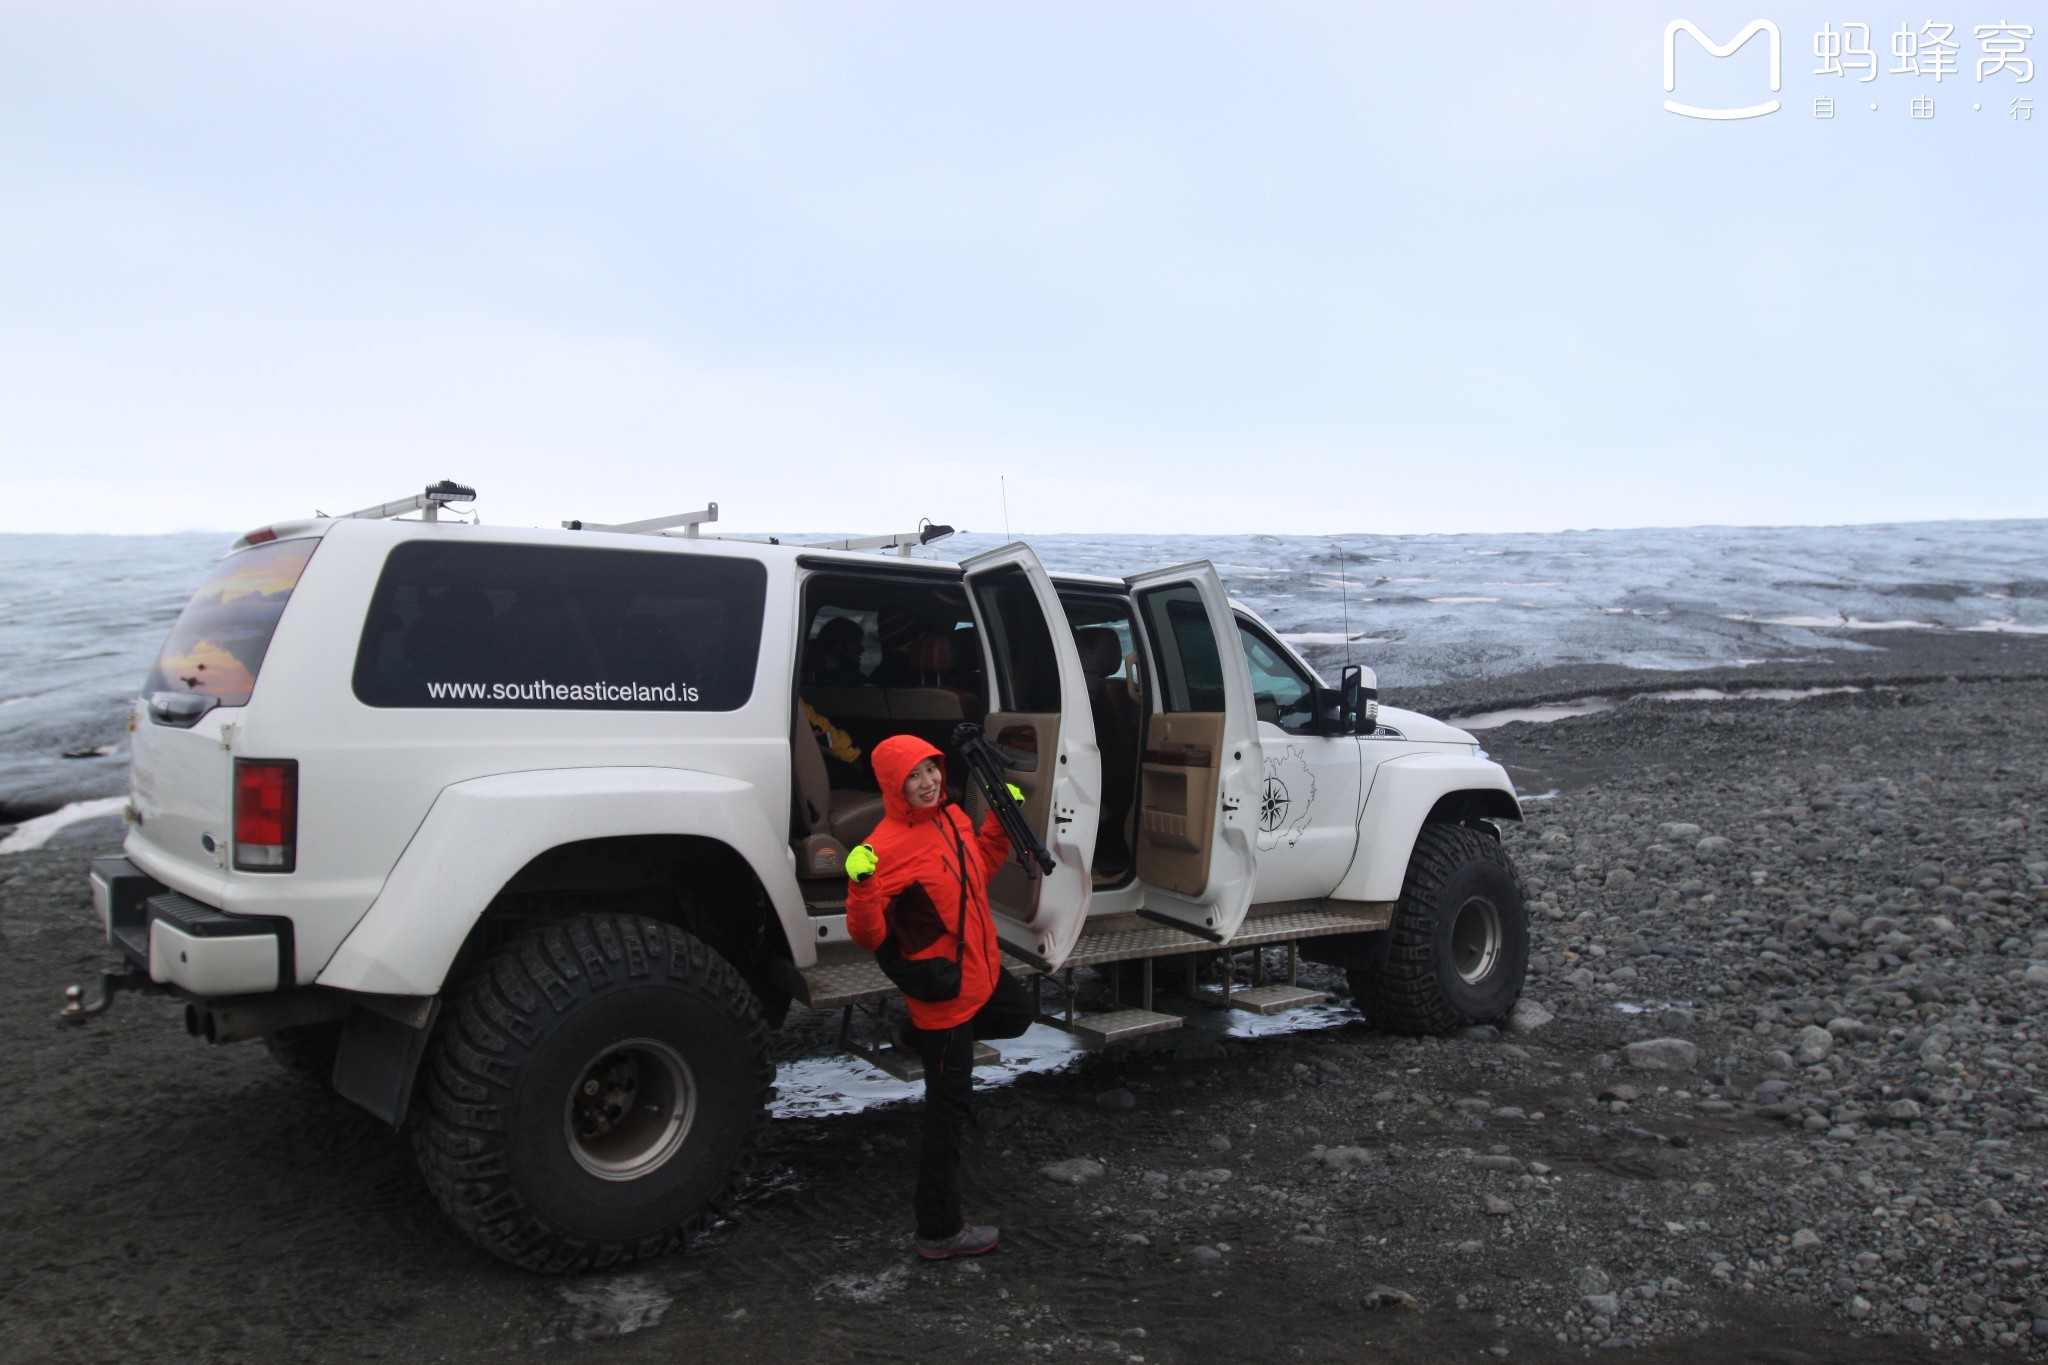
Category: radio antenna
[1344,590]
[1003,485]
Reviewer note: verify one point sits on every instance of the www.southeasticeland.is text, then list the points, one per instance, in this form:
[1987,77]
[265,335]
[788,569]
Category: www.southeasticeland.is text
[540,690]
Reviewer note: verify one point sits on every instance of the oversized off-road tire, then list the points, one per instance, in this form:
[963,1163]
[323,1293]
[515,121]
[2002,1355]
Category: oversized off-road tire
[1459,944]
[307,1051]
[594,1089]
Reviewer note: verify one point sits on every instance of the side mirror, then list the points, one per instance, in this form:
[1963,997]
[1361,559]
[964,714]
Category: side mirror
[1360,705]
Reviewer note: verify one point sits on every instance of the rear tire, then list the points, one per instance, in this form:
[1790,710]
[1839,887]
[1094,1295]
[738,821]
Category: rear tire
[595,1089]
[1459,944]
[307,1051]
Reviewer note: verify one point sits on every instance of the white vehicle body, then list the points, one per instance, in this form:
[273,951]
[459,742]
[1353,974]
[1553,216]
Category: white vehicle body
[416,823]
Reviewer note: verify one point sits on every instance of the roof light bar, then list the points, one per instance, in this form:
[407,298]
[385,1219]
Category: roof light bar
[428,504]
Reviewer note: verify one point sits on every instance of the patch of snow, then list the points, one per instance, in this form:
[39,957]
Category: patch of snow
[33,834]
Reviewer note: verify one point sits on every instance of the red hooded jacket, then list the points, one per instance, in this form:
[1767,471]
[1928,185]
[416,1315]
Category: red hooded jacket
[924,859]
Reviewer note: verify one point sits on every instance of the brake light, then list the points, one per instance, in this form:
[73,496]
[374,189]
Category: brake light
[266,814]
[260,537]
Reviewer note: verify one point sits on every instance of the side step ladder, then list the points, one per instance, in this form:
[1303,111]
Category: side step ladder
[1262,996]
[856,986]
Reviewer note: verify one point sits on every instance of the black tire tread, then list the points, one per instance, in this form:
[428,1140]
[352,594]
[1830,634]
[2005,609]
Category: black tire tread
[1404,995]
[457,1139]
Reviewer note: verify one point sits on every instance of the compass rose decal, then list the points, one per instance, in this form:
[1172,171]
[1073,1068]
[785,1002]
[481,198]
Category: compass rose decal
[1273,805]
[1288,797]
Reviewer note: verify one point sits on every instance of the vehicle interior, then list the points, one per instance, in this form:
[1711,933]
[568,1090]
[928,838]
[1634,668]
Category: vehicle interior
[891,655]
[1101,623]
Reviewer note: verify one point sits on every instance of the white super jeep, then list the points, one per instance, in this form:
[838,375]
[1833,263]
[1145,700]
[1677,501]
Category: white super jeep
[524,839]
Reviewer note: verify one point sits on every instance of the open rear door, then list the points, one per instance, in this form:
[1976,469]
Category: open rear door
[1198,796]
[1040,721]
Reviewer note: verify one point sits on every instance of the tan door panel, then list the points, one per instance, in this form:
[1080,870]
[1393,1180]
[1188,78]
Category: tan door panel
[1014,894]
[1177,800]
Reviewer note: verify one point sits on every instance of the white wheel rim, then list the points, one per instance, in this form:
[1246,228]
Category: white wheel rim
[630,1109]
[1475,940]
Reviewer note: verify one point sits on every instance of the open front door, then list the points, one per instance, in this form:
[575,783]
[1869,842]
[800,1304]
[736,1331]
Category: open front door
[1198,794]
[1039,720]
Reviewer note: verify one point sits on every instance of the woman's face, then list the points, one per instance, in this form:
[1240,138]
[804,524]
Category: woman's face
[923,787]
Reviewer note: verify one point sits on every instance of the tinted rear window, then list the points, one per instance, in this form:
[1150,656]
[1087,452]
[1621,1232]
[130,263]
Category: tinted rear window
[216,648]
[561,628]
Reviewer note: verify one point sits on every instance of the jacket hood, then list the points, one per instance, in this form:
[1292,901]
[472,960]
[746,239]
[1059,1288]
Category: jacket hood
[893,759]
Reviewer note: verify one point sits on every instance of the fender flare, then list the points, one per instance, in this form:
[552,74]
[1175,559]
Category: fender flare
[1404,791]
[479,834]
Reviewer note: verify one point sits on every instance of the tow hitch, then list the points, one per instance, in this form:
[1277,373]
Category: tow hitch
[77,1009]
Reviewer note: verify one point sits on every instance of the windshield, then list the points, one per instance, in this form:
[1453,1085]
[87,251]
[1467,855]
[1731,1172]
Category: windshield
[216,648]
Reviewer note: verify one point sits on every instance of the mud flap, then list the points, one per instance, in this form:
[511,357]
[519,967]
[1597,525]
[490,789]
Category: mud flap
[379,1058]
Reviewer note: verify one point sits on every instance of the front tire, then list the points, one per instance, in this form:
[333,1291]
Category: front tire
[1458,948]
[596,1088]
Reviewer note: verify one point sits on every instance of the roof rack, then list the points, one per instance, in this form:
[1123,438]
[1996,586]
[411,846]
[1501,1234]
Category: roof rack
[686,524]
[903,542]
[653,526]
[427,504]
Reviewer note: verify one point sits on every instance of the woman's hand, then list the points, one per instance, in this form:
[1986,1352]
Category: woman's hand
[861,862]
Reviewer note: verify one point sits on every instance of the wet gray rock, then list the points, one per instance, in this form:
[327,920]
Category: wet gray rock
[1661,1054]
[1814,1044]
[1344,1158]
[1075,1171]
[1116,1100]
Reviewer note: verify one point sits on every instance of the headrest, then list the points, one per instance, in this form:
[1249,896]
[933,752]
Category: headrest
[1101,652]
[898,629]
[935,654]
[838,632]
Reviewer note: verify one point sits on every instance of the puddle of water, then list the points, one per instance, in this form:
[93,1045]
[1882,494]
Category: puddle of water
[834,1083]
[613,1308]
[813,1087]
[1240,1024]
[2006,628]
[855,1287]
[1534,715]
[1750,693]
[1588,706]
[33,834]
[1837,622]
[1334,638]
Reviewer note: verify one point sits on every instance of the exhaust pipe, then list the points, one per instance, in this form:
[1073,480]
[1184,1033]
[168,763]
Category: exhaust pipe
[239,1019]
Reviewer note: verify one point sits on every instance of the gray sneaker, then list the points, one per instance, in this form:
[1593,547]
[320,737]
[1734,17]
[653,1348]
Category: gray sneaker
[969,1241]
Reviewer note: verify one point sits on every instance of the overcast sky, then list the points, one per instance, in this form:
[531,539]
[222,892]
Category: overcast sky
[1218,268]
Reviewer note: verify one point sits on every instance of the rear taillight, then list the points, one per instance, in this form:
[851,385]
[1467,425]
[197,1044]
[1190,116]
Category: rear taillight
[266,814]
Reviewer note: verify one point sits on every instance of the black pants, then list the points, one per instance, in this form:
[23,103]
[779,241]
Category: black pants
[949,1100]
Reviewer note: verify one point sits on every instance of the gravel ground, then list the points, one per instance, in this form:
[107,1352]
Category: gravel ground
[1775,1093]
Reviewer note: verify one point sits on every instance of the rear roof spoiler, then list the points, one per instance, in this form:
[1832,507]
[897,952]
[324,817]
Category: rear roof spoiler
[427,503]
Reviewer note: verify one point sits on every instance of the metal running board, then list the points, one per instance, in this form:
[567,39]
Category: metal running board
[1121,938]
[1114,1026]
[848,981]
[1274,999]
[855,979]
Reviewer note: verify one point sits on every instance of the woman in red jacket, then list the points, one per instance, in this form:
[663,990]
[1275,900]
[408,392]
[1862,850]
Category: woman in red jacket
[921,882]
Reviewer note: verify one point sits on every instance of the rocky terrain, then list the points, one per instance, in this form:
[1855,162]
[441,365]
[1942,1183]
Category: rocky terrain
[1775,1092]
